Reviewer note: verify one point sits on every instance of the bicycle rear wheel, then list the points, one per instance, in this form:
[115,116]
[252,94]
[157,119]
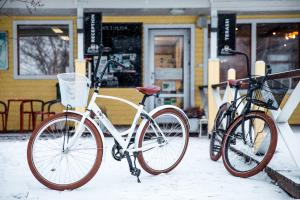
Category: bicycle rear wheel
[218,133]
[162,153]
[249,144]
[61,168]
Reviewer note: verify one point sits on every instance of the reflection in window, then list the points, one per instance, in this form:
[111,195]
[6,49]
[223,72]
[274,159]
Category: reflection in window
[168,62]
[278,45]
[126,44]
[238,62]
[43,49]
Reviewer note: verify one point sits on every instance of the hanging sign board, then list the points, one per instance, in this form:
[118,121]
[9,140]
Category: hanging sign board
[92,33]
[226,32]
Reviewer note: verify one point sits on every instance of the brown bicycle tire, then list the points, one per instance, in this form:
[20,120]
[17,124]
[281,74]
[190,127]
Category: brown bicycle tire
[216,157]
[83,180]
[140,157]
[270,151]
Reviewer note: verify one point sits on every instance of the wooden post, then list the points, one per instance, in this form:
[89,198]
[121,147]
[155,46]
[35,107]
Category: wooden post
[231,74]
[263,139]
[80,68]
[260,68]
[213,78]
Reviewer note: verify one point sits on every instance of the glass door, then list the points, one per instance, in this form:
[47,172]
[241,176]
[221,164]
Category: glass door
[169,58]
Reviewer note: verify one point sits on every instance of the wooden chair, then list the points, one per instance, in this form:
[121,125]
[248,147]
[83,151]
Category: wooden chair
[45,112]
[29,107]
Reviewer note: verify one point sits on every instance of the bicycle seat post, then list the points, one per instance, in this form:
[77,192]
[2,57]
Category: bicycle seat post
[144,99]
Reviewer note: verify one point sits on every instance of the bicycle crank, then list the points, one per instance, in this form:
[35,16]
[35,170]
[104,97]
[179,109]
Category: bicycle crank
[133,169]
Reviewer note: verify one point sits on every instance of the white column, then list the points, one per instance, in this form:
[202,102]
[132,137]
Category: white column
[214,34]
[80,33]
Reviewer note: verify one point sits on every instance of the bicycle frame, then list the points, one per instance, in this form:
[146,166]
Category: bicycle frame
[118,136]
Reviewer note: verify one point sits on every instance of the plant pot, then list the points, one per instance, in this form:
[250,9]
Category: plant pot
[194,125]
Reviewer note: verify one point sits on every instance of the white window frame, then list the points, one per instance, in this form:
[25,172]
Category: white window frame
[40,22]
[253,23]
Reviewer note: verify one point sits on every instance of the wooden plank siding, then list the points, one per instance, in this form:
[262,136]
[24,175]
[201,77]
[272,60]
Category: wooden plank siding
[25,89]
[119,113]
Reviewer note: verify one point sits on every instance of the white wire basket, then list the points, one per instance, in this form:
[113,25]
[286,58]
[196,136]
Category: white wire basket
[74,89]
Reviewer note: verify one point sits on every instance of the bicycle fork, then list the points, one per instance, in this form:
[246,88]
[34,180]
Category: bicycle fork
[79,129]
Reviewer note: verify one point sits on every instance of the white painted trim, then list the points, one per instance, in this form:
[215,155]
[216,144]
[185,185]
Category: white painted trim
[273,20]
[192,65]
[214,35]
[205,56]
[40,22]
[256,5]
[80,37]
[253,47]
[117,4]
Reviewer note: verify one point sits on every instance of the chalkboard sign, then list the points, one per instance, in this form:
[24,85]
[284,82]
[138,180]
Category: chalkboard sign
[125,40]
[226,32]
[92,33]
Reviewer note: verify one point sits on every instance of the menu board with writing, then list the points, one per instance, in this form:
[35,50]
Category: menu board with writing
[125,41]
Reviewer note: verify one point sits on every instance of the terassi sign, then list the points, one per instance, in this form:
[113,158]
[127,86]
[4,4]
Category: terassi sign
[92,33]
[226,32]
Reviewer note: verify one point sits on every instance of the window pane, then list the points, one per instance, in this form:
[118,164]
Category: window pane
[125,40]
[238,62]
[43,49]
[278,45]
[168,63]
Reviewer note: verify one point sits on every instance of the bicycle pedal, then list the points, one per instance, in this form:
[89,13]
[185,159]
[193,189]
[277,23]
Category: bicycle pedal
[135,172]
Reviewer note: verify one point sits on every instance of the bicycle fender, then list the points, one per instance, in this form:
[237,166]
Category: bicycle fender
[95,124]
[151,113]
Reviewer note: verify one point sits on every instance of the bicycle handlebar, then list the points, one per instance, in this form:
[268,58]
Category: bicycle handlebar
[227,51]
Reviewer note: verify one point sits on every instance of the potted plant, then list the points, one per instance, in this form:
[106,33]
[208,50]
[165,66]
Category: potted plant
[194,114]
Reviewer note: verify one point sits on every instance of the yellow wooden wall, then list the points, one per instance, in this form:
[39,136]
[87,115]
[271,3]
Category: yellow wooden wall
[25,89]
[118,113]
[45,89]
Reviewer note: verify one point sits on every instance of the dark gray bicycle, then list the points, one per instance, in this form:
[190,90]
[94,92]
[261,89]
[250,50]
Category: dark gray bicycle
[247,142]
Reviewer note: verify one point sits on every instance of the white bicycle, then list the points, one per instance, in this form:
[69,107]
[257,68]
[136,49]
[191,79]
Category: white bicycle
[65,151]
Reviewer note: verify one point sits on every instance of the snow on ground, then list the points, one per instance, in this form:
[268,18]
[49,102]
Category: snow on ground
[197,177]
[282,160]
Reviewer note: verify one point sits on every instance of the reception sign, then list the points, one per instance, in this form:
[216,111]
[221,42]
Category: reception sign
[92,33]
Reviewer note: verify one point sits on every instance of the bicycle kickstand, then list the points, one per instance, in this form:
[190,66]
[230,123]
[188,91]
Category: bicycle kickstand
[133,169]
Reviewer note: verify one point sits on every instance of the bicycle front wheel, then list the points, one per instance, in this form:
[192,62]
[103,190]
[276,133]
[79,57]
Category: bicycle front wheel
[59,167]
[249,144]
[165,143]
[218,133]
